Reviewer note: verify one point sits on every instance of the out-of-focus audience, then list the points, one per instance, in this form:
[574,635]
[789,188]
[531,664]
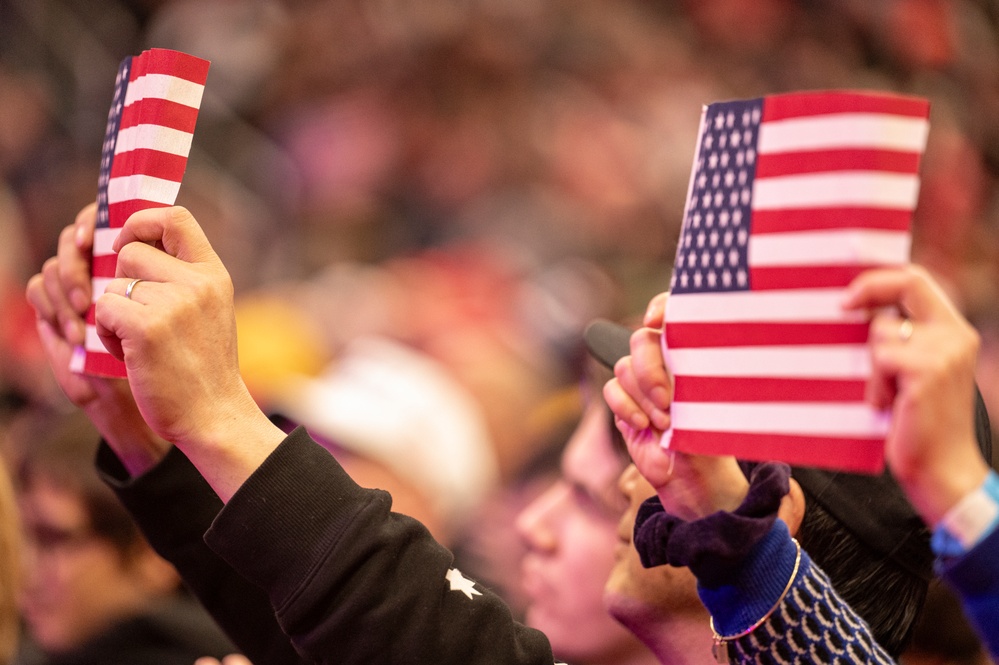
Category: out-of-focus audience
[93,589]
[473,180]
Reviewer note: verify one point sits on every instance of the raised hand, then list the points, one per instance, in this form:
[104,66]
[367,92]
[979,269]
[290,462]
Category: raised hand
[176,333]
[61,296]
[923,356]
[689,486]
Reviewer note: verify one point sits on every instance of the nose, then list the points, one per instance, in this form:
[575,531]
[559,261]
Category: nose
[627,480]
[535,523]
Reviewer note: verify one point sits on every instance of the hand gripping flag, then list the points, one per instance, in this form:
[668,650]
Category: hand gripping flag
[791,197]
[146,143]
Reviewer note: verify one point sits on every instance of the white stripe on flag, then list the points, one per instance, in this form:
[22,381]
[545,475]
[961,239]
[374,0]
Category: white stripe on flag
[843,247]
[803,305]
[154,137]
[801,418]
[98,285]
[874,189]
[104,240]
[844,130]
[92,342]
[164,86]
[830,361]
[142,187]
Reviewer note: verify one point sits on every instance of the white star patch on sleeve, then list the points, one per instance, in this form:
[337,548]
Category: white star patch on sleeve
[460,583]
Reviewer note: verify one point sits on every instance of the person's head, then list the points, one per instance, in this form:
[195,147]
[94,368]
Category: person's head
[86,564]
[570,532]
[659,605]
[860,529]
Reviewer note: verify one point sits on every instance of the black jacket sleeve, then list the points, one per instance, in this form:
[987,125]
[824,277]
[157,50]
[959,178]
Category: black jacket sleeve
[353,582]
[174,506]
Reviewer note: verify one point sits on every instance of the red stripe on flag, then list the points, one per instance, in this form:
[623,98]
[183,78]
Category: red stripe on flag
[153,163]
[714,335]
[120,212]
[104,266]
[850,454]
[103,364]
[819,161]
[167,114]
[91,317]
[175,63]
[138,66]
[820,219]
[743,389]
[795,105]
[805,277]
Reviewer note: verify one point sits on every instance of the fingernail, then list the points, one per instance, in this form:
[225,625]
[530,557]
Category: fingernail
[660,397]
[79,299]
[660,420]
[74,332]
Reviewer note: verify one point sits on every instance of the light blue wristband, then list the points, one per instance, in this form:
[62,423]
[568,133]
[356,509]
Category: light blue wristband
[969,522]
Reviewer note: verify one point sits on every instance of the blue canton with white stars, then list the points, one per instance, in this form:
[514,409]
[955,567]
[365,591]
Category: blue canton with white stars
[110,139]
[712,254]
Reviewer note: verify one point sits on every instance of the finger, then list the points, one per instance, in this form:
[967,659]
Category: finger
[143,291]
[650,370]
[909,287]
[887,351]
[626,373]
[65,318]
[175,229]
[655,313]
[39,299]
[114,316]
[236,659]
[74,271]
[139,260]
[84,225]
[623,406]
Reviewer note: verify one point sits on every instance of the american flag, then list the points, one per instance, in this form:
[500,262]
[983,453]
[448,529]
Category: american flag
[790,197]
[146,143]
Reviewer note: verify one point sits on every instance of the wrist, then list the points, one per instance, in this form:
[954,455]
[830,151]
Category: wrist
[229,443]
[126,432]
[941,487]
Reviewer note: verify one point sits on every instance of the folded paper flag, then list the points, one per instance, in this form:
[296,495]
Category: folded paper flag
[146,144]
[791,196]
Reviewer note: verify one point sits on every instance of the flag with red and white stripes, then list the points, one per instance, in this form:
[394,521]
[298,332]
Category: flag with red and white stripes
[791,196]
[146,144]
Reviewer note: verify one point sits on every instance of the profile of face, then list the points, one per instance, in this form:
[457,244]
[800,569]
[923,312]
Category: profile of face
[660,605]
[570,532]
[75,582]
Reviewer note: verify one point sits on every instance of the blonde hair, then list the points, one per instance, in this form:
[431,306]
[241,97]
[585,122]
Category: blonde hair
[10,560]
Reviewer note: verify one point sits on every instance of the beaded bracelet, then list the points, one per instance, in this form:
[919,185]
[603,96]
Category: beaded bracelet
[719,644]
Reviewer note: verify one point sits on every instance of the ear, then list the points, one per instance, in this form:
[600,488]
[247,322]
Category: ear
[792,508]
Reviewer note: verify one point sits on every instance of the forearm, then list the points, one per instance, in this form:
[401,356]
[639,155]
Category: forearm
[780,603]
[174,506]
[353,582]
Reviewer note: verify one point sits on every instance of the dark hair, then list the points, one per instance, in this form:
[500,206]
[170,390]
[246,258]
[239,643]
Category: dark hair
[61,448]
[863,578]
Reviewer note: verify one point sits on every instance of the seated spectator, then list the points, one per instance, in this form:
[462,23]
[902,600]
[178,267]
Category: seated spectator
[94,591]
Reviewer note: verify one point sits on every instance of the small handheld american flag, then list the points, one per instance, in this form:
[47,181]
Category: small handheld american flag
[791,196]
[146,143]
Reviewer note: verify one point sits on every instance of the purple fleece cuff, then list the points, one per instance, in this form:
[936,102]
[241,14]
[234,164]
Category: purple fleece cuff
[713,546]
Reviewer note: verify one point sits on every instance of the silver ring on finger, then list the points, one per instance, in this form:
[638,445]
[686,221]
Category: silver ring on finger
[905,330]
[131,287]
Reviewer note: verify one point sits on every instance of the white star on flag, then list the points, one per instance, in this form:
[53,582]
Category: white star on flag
[460,583]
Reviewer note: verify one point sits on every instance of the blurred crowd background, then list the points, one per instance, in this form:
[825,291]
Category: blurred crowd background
[471,179]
